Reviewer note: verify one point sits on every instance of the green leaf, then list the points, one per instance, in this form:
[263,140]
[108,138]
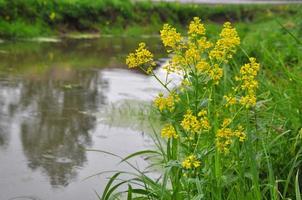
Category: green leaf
[297,187]
[114,189]
[129,196]
[139,153]
[104,196]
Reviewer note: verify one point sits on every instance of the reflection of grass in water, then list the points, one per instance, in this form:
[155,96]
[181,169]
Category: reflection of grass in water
[38,58]
[137,115]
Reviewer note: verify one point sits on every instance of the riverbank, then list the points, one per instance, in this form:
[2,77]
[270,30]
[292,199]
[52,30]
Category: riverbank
[235,1]
[33,18]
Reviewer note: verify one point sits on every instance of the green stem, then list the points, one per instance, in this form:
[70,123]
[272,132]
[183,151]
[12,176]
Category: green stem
[252,159]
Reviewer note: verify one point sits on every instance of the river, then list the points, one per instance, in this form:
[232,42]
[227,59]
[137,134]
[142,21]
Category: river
[53,94]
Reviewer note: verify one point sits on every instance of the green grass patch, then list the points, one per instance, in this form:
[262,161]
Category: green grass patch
[29,18]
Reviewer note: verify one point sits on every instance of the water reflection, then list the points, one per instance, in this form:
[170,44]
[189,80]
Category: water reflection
[35,58]
[3,134]
[54,124]
[9,93]
[48,94]
[55,137]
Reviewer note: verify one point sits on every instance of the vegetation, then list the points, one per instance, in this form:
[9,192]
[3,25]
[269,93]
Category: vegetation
[31,18]
[233,130]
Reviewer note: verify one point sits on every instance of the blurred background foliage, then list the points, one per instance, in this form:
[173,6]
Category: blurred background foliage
[31,18]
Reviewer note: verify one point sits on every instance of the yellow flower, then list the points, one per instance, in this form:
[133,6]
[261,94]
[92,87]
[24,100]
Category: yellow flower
[149,70]
[248,101]
[222,146]
[204,122]
[248,74]
[249,84]
[226,45]
[196,27]
[224,133]
[226,122]
[191,162]
[224,139]
[215,74]
[140,57]
[229,100]
[203,44]
[192,55]
[176,64]
[202,113]
[168,102]
[190,122]
[170,37]
[160,102]
[225,136]
[168,132]
[240,134]
[202,66]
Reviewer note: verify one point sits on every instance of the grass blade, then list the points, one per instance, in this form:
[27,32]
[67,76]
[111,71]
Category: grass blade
[297,187]
[104,196]
[139,153]
[129,196]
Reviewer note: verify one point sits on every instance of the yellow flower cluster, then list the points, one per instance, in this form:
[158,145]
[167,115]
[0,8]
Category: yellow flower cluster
[192,55]
[225,135]
[191,162]
[249,84]
[202,66]
[204,122]
[196,27]
[191,123]
[204,44]
[163,103]
[170,37]
[140,57]
[226,122]
[224,139]
[215,73]
[230,100]
[248,74]
[239,133]
[226,45]
[169,132]
[187,53]
[248,100]
[175,64]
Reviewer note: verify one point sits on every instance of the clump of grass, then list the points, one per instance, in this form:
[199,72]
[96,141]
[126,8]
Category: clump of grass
[22,29]
[130,113]
[222,137]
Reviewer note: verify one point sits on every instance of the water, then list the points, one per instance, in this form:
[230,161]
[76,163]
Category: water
[52,95]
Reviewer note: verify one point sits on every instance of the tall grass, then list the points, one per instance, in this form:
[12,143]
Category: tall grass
[203,152]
